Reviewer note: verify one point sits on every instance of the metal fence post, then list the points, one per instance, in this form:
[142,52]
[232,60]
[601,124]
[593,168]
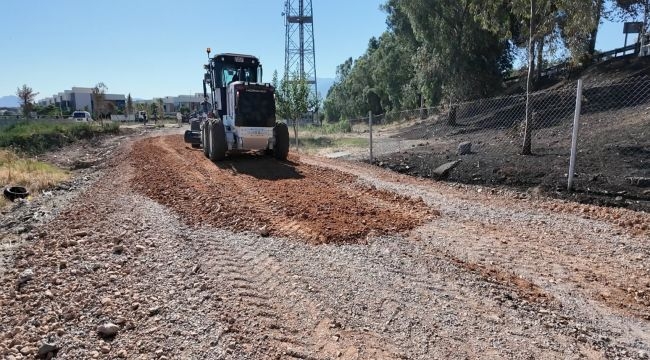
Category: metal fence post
[370,125]
[574,137]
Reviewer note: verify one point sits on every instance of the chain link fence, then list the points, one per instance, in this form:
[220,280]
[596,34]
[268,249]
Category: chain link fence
[389,129]
[613,158]
[486,137]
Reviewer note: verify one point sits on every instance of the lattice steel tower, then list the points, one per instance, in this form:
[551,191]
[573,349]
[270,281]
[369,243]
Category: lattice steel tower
[300,53]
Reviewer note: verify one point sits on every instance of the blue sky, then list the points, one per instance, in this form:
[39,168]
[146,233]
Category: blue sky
[157,48]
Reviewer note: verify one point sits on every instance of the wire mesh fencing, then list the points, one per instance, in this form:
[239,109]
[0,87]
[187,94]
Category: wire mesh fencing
[486,135]
[389,128]
[485,139]
[613,158]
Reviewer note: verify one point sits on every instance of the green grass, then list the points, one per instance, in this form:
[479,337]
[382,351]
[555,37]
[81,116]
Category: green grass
[37,137]
[340,127]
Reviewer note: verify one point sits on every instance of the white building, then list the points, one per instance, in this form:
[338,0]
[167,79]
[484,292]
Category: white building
[173,104]
[80,98]
[192,102]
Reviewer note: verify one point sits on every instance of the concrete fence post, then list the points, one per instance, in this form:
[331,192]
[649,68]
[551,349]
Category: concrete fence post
[574,137]
[370,131]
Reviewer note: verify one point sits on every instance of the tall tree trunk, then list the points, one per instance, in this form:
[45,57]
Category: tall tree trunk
[526,149]
[540,59]
[594,32]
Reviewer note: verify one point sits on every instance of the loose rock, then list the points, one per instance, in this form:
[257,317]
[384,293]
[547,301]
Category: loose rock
[108,329]
[26,350]
[442,171]
[465,148]
[47,348]
[264,232]
[25,276]
[118,249]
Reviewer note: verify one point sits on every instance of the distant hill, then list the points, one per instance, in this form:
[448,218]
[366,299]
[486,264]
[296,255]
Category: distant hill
[9,101]
[324,84]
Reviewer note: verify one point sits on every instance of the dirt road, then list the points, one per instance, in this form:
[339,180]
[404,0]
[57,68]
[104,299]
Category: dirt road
[322,259]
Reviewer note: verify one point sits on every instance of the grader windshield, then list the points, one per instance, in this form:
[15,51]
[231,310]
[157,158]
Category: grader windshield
[233,67]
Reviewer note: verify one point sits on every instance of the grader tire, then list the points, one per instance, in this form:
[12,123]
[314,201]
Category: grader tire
[281,135]
[205,139]
[218,144]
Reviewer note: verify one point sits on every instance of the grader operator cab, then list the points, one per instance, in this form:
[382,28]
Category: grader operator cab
[238,112]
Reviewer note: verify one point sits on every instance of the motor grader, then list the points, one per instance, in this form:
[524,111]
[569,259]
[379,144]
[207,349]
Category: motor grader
[238,111]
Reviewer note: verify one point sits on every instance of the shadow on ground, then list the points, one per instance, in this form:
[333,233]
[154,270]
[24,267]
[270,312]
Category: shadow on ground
[260,166]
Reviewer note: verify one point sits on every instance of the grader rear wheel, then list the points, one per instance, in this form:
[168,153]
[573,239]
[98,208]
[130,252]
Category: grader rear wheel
[281,135]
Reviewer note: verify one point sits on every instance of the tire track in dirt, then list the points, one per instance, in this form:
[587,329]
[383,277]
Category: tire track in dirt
[253,300]
[346,187]
[269,300]
[249,192]
[589,258]
[219,295]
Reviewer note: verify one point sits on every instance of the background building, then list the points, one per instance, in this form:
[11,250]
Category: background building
[174,104]
[80,98]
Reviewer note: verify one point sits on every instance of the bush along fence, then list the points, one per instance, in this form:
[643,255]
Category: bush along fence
[590,137]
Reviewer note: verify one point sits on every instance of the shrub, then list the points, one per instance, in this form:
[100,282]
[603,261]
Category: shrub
[38,137]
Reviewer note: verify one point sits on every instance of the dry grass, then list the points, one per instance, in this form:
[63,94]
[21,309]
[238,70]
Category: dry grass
[32,174]
[313,141]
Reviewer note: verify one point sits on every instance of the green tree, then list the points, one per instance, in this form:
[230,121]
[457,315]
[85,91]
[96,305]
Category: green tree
[335,98]
[99,101]
[160,107]
[27,97]
[293,99]
[49,110]
[393,76]
[380,80]
[632,8]
[410,65]
[573,23]
[464,57]
[129,105]
[153,109]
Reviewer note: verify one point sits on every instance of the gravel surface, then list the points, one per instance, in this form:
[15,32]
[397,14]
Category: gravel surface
[21,220]
[486,274]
